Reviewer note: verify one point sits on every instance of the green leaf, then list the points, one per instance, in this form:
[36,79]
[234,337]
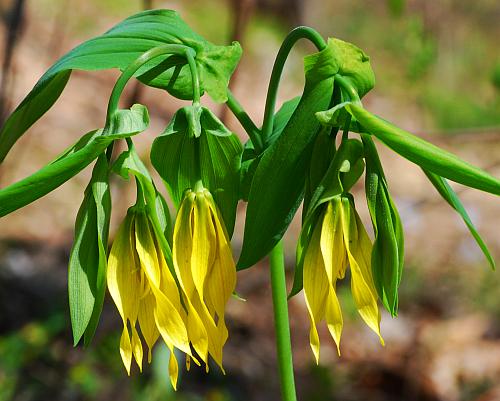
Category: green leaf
[124,123]
[354,65]
[425,154]
[421,152]
[321,158]
[281,118]
[177,154]
[453,200]
[30,110]
[388,247]
[250,160]
[117,48]
[87,262]
[278,184]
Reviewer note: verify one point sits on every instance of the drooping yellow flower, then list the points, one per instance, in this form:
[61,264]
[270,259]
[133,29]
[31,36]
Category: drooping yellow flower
[339,239]
[204,265]
[145,293]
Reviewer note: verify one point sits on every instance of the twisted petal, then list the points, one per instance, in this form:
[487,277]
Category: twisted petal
[124,284]
[137,350]
[147,322]
[123,277]
[358,248]
[173,368]
[204,246]
[126,349]
[321,300]
[167,316]
[192,260]
[182,250]
[332,243]
[222,278]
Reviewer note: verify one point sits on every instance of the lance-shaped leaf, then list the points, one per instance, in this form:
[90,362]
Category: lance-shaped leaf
[453,200]
[278,184]
[87,262]
[417,150]
[197,145]
[124,123]
[332,185]
[129,163]
[250,160]
[388,247]
[117,48]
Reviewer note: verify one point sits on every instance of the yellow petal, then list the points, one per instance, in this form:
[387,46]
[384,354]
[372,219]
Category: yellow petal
[137,348]
[215,338]
[126,349]
[333,316]
[146,250]
[316,288]
[173,368]
[183,245]
[203,251]
[182,250]
[147,322]
[170,323]
[332,243]
[123,278]
[222,279]
[364,297]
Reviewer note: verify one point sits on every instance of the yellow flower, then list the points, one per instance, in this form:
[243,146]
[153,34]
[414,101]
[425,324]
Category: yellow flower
[339,239]
[204,266]
[145,293]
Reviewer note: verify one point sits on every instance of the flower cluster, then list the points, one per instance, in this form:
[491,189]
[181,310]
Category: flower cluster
[339,240]
[186,308]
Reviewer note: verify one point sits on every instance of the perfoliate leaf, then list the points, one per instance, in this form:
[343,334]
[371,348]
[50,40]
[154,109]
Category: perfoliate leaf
[453,200]
[120,46]
[124,123]
[388,247]
[278,184]
[354,65]
[214,155]
[87,263]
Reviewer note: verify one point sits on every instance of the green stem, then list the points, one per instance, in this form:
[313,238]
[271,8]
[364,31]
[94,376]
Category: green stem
[348,88]
[276,257]
[281,324]
[301,32]
[245,121]
[143,59]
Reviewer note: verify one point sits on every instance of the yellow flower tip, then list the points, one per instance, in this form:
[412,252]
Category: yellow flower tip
[315,351]
[314,342]
[126,350]
[382,342]
[150,356]
[188,362]
[173,368]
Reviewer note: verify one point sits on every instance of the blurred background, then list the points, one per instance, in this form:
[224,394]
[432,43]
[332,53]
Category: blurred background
[437,66]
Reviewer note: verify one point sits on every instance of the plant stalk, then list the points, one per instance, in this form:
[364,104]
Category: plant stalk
[276,257]
[281,324]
